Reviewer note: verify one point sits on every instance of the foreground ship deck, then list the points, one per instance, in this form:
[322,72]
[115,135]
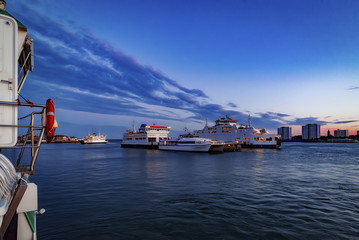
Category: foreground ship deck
[18,196]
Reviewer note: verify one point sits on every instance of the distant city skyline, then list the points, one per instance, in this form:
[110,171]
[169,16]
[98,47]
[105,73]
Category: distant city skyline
[107,64]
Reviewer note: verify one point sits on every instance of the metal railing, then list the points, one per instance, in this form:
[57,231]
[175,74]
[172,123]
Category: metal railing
[31,140]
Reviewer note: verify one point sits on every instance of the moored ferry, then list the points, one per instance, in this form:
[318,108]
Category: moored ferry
[94,139]
[227,130]
[145,137]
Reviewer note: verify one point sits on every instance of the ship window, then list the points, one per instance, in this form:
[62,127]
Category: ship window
[187,142]
[269,139]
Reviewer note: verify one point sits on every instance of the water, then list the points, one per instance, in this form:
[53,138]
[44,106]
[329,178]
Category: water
[304,191]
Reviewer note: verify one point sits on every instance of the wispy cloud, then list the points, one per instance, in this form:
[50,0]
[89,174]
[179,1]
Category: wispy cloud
[353,88]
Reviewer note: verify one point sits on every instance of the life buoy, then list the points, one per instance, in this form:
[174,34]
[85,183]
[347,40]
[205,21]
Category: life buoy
[50,120]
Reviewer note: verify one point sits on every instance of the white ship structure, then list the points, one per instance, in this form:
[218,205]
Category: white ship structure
[227,130]
[94,139]
[192,145]
[145,136]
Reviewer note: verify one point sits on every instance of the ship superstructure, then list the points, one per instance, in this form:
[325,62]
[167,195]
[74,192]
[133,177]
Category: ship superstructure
[227,130]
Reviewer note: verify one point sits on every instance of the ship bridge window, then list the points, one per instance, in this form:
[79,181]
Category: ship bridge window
[226,131]
[141,138]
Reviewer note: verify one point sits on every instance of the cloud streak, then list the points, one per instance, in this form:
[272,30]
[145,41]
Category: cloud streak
[353,88]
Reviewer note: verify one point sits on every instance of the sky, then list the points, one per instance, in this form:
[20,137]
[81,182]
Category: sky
[109,64]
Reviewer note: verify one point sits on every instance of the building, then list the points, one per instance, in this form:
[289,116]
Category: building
[285,133]
[311,131]
[341,133]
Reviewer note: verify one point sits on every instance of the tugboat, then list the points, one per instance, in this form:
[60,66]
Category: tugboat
[18,196]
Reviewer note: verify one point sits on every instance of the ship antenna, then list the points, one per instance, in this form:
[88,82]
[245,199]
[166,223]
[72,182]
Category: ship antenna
[206,122]
[249,120]
[133,125]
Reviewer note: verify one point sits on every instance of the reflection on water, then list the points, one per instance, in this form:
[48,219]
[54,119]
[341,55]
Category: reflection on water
[304,191]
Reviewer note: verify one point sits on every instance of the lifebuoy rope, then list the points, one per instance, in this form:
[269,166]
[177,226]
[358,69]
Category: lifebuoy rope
[26,100]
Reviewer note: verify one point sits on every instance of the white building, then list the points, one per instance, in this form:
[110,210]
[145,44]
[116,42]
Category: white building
[310,131]
[341,133]
[285,133]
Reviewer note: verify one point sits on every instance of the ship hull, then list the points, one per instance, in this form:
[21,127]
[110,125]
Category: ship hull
[195,148]
[266,146]
[145,146]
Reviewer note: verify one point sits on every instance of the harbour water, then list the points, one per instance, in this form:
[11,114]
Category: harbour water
[303,191]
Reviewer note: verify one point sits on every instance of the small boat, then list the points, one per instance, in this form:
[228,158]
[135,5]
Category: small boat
[94,139]
[187,144]
[216,146]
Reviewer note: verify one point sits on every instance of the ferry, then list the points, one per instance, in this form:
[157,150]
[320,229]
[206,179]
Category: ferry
[19,196]
[191,145]
[94,139]
[227,130]
[145,137]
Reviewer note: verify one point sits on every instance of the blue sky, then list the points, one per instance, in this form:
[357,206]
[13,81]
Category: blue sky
[177,63]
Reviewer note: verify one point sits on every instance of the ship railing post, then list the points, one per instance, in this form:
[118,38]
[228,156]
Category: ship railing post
[32,135]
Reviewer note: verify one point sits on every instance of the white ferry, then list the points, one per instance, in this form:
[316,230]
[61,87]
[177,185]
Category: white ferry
[145,137]
[227,130]
[94,139]
[192,145]
[19,196]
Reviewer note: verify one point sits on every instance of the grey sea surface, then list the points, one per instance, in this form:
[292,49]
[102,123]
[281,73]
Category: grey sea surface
[303,191]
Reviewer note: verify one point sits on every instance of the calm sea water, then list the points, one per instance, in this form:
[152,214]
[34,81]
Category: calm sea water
[303,191]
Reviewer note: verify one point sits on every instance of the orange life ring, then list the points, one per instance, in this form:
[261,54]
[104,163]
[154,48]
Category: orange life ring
[50,119]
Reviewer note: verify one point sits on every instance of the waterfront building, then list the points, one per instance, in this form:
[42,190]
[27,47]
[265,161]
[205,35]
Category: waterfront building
[285,133]
[341,133]
[311,131]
